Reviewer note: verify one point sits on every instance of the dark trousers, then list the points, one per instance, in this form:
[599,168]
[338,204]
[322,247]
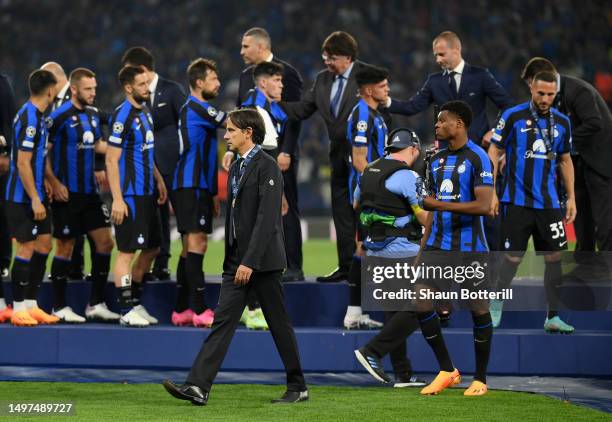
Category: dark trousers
[593,223]
[232,300]
[342,210]
[291,221]
[161,261]
[6,246]
[391,340]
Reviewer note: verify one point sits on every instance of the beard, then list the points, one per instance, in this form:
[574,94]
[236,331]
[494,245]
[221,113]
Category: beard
[209,95]
[82,101]
[141,98]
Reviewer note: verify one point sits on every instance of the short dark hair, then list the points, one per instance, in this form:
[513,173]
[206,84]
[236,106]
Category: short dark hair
[39,80]
[127,74]
[369,74]
[545,76]
[245,118]
[138,56]
[79,73]
[267,69]
[259,33]
[536,65]
[340,43]
[461,109]
[198,69]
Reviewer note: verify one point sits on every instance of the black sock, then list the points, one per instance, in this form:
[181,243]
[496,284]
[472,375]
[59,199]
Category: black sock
[552,280]
[195,276]
[38,264]
[100,265]
[507,271]
[483,332]
[125,294]
[60,268]
[137,286]
[430,327]
[182,287]
[354,281]
[20,274]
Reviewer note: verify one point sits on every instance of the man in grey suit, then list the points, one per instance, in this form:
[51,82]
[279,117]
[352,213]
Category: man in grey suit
[333,95]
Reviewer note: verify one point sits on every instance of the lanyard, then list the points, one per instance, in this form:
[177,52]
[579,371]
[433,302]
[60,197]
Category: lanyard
[548,138]
[237,176]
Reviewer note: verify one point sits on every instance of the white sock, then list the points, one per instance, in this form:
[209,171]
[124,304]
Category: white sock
[31,303]
[19,306]
[353,311]
[2,303]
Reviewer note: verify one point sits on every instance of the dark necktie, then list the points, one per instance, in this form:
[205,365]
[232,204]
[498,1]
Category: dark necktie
[335,103]
[452,83]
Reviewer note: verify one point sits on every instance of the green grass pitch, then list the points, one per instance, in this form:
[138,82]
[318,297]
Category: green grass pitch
[149,402]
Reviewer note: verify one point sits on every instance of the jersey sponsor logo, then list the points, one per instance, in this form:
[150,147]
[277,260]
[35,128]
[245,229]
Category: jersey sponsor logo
[486,174]
[447,186]
[30,131]
[88,140]
[538,150]
[118,127]
[362,126]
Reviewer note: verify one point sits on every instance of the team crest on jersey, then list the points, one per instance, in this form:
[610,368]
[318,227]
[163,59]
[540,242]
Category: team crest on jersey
[49,122]
[212,112]
[461,168]
[501,124]
[149,136]
[118,127]
[30,131]
[362,126]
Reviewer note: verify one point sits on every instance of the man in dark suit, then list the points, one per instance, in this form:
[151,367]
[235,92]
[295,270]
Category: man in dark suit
[167,98]
[458,80]
[254,259]
[333,95]
[257,48]
[591,155]
[7,113]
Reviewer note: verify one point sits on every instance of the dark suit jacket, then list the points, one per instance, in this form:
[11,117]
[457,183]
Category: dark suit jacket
[476,85]
[257,216]
[169,98]
[292,91]
[591,122]
[8,111]
[318,99]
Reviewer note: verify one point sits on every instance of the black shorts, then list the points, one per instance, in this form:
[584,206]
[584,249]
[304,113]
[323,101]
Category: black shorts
[21,223]
[194,210]
[142,227]
[82,214]
[451,270]
[545,225]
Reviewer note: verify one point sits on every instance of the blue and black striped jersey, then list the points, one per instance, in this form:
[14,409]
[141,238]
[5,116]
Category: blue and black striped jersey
[530,167]
[29,135]
[256,98]
[132,131]
[197,165]
[366,129]
[455,175]
[72,135]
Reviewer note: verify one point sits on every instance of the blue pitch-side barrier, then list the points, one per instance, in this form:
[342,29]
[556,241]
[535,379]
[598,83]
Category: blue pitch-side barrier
[520,347]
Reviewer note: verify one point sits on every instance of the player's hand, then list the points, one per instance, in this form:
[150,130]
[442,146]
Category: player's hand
[243,275]
[284,161]
[430,203]
[40,212]
[494,211]
[570,213]
[102,180]
[163,193]
[227,160]
[486,139]
[284,206]
[119,211]
[48,189]
[60,192]
[4,163]
[216,206]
